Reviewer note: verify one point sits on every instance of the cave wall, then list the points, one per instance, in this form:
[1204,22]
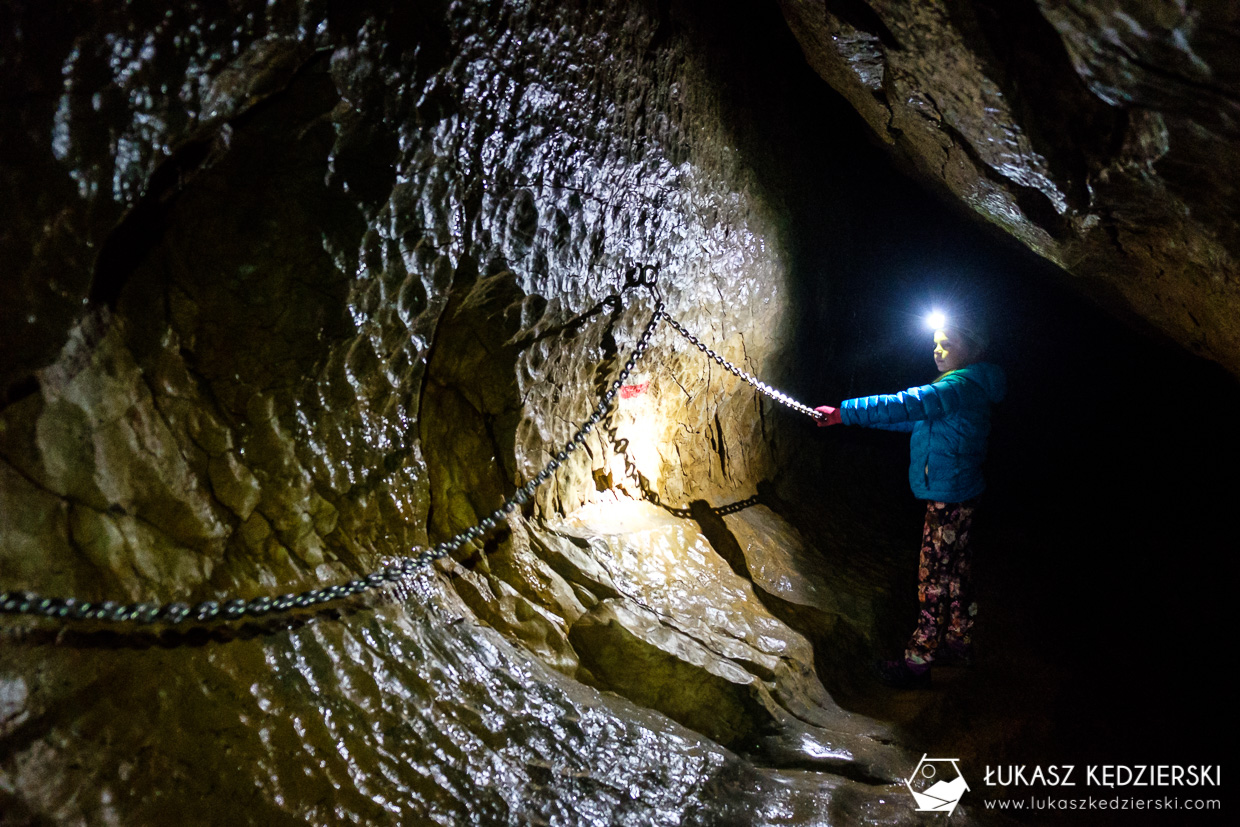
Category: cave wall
[406,232]
[1102,135]
[297,287]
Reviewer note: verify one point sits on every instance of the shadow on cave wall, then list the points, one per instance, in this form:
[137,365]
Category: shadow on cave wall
[1104,532]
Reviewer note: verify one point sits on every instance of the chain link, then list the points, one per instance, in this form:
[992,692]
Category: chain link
[762,387]
[29,603]
[109,611]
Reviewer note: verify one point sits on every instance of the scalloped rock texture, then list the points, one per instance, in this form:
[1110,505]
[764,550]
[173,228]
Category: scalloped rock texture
[1102,134]
[294,288]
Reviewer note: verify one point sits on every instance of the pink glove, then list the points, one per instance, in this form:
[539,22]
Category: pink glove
[830,416]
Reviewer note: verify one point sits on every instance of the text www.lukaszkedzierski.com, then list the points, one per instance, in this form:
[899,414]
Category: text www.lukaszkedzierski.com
[1091,803]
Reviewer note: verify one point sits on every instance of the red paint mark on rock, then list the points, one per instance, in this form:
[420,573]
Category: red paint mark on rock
[629,391]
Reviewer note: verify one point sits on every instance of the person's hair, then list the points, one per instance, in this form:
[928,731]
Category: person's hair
[973,340]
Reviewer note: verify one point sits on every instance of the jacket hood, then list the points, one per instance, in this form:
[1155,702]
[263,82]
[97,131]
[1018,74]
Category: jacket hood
[990,376]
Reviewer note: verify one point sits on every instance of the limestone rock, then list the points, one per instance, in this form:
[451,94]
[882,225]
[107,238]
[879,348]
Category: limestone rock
[298,290]
[649,663]
[783,565]
[692,637]
[1102,135]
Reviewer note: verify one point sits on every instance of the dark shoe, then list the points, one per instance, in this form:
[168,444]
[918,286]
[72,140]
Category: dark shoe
[899,675]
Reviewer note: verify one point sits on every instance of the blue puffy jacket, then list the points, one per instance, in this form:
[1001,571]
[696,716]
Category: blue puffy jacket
[949,420]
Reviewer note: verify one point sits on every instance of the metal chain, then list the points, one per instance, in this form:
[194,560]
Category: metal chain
[762,387]
[29,603]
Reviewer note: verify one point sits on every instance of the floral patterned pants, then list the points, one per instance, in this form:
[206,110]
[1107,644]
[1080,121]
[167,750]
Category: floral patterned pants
[944,584]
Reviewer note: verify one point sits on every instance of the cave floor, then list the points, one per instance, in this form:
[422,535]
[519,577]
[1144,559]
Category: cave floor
[1024,701]
[1049,685]
[728,581]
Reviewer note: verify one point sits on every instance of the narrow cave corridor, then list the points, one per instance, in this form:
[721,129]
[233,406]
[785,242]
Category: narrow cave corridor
[302,292]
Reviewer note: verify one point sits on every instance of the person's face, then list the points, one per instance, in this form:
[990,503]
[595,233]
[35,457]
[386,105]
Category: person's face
[950,352]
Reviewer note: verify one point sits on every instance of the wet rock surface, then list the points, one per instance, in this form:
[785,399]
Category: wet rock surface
[1102,135]
[298,288]
[407,714]
[691,637]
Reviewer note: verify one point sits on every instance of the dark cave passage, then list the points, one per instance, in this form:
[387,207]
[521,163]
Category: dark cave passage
[299,293]
[1107,522]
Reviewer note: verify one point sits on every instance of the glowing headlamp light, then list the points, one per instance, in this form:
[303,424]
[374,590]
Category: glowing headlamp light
[936,320]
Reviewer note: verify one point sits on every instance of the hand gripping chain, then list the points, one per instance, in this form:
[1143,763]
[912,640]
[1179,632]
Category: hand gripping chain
[68,608]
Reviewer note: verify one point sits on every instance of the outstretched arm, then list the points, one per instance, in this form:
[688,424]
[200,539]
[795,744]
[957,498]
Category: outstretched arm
[898,411]
[831,416]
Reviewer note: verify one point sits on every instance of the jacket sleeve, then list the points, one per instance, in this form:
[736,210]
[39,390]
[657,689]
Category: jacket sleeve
[902,427]
[898,411]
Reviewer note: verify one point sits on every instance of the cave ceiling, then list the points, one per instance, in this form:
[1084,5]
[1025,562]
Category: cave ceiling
[1101,134]
[294,289]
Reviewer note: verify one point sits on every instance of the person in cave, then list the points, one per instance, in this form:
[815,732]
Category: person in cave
[949,420]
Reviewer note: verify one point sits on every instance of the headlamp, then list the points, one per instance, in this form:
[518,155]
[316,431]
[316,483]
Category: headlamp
[936,320]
